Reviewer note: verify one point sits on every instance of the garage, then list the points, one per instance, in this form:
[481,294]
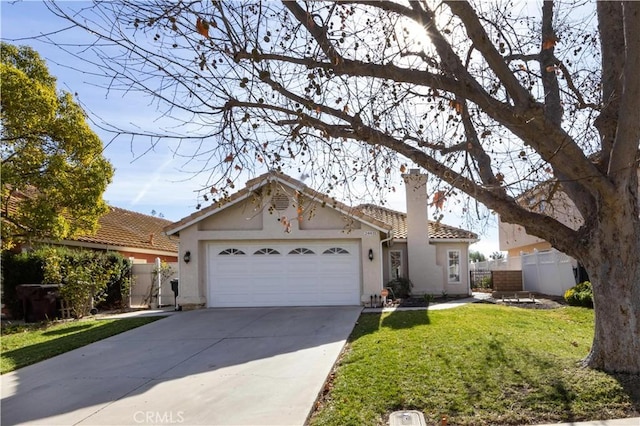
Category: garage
[283,273]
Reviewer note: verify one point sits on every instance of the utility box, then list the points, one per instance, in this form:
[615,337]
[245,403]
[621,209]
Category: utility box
[407,418]
[39,301]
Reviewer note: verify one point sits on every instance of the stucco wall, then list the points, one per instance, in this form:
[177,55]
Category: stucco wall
[453,288]
[242,222]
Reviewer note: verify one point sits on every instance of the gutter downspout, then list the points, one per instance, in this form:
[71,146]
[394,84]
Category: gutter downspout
[390,233]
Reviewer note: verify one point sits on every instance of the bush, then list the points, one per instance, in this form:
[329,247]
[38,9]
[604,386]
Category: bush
[401,287]
[106,276]
[18,268]
[119,285]
[486,282]
[580,295]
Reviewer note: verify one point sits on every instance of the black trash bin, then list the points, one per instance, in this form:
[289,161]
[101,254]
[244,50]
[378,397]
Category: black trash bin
[39,301]
[174,288]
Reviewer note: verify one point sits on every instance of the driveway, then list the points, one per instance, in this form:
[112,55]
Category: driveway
[259,366]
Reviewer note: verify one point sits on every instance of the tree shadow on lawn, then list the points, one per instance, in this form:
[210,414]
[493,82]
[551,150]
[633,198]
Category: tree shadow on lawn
[36,352]
[67,330]
[631,385]
[408,319]
[369,323]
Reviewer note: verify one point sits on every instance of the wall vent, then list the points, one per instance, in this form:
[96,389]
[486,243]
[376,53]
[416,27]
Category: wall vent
[280,202]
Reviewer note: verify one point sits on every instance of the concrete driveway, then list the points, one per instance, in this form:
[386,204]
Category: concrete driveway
[260,366]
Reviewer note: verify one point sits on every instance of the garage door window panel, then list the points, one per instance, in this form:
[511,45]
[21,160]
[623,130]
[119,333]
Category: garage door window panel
[302,250]
[266,252]
[232,252]
[335,250]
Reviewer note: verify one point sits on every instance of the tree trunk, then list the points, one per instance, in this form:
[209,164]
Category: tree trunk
[612,259]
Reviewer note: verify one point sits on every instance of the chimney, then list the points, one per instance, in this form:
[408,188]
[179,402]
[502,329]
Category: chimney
[427,277]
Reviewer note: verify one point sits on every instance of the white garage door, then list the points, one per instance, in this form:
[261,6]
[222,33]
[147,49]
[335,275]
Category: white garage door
[283,274]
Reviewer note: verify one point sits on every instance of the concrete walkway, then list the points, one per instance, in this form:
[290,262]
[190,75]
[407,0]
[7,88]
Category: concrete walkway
[475,297]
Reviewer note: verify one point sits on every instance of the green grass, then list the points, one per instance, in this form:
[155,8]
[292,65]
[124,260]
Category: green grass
[27,344]
[478,365]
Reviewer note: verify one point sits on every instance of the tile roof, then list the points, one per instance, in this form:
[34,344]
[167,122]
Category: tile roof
[398,221]
[118,227]
[124,228]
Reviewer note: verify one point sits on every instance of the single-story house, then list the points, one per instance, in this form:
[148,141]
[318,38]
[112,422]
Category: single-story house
[277,242]
[138,236]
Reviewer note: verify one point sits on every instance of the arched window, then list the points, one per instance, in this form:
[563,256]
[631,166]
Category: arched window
[301,250]
[335,250]
[267,251]
[231,252]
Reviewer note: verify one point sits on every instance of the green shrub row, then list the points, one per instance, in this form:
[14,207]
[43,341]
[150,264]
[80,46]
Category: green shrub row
[580,295]
[84,273]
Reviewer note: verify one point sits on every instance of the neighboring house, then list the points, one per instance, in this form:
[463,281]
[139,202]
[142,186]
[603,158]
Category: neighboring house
[277,242]
[547,198]
[544,269]
[137,236]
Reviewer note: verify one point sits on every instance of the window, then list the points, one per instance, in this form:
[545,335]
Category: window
[395,259]
[453,258]
[335,250]
[301,250]
[231,252]
[267,251]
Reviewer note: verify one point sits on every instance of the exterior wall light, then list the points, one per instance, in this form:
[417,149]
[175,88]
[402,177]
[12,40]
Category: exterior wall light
[371,255]
[187,256]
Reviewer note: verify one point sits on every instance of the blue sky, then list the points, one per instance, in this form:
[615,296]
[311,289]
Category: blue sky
[146,178]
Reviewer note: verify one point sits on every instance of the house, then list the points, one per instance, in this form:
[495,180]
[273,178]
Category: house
[137,236]
[277,242]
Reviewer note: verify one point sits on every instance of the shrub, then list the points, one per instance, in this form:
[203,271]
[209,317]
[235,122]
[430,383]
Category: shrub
[401,287]
[580,295]
[106,276]
[486,282]
[18,268]
[119,285]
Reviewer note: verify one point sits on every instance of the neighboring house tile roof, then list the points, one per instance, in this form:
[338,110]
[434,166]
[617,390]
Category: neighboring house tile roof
[118,228]
[398,220]
[124,228]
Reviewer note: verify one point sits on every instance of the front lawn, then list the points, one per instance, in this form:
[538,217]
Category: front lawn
[477,365]
[23,345]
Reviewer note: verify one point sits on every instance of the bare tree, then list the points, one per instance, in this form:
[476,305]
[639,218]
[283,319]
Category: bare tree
[491,98]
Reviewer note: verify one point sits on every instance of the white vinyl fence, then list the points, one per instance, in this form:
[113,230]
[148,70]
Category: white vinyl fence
[145,291]
[549,272]
[505,264]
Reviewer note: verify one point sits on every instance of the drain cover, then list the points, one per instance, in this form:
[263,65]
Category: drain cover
[407,418]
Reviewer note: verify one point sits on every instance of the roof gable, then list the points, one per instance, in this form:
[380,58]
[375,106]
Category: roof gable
[255,184]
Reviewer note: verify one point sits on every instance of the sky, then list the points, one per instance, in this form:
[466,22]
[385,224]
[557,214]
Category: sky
[148,179]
